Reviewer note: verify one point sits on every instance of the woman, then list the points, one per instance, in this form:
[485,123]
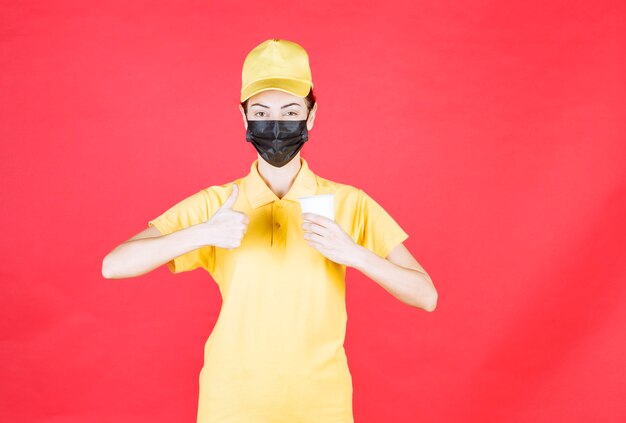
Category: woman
[276,352]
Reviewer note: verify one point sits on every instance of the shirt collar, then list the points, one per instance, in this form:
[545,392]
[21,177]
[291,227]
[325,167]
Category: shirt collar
[260,194]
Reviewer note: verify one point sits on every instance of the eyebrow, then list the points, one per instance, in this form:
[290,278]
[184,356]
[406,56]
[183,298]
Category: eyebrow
[267,107]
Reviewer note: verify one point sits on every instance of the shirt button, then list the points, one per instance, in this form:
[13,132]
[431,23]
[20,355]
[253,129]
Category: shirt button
[277,225]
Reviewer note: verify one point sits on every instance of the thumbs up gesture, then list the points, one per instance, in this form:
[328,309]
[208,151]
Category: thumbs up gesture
[227,225]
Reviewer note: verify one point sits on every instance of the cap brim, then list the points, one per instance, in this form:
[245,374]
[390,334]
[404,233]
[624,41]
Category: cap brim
[292,86]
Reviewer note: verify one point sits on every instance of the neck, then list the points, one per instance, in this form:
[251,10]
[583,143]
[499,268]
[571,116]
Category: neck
[279,179]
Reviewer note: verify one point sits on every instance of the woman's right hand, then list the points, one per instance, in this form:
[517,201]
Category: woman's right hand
[227,226]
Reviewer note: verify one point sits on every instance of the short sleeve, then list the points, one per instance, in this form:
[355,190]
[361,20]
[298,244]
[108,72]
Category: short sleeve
[192,210]
[378,231]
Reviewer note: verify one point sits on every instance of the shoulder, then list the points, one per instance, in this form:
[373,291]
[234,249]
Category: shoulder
[352,198]
[326,186]
[218,194]
[345,194]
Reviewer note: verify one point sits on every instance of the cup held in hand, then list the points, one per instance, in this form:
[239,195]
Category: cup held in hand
[323,204]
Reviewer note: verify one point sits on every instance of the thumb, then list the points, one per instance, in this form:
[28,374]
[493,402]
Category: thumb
[230,201]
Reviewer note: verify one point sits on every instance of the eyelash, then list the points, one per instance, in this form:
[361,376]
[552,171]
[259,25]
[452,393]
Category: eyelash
[294,113]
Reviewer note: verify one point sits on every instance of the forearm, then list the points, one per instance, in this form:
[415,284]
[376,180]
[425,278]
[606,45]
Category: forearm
[410,286]
[140,256]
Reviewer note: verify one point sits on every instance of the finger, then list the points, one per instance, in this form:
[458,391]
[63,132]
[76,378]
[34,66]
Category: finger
[315,228]
[246,219]
[230,201]
[315,245]
[317,218]
[312,237]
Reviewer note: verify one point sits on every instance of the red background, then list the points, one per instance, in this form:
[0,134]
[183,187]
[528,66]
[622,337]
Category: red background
[493,132]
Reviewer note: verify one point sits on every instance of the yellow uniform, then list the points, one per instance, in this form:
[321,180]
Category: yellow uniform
[276,352]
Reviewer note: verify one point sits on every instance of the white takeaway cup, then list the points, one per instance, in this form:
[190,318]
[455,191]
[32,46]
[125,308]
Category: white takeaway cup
[323,204]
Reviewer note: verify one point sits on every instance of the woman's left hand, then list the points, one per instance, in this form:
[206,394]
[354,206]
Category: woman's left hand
[327,237]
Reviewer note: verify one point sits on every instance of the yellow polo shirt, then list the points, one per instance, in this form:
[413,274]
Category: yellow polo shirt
[276,352]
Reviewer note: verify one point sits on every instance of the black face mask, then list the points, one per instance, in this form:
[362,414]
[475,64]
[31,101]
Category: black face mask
[277,141]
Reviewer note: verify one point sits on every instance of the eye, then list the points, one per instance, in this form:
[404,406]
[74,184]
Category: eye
[258,115]
[292,113]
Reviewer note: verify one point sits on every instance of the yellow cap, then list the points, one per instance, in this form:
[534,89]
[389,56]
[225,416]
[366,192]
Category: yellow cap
[276,64]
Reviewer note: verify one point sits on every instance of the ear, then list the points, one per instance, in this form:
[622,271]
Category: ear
[311,118]
[243,115]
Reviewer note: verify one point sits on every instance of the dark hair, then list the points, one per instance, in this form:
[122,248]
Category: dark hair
[309,100]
